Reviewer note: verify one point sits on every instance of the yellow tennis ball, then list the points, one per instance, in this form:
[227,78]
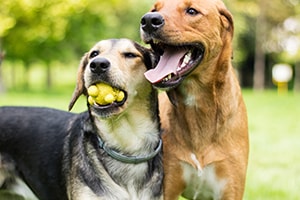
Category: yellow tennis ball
[109,98]
[100,100]
[91,100]
[120,96]
[93,91]
[104,89]
[104,94]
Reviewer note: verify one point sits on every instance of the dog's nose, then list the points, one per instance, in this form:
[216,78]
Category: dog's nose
[99,65]
[152,21]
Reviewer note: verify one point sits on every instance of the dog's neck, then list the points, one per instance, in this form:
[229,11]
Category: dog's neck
[134,132]
[208,105]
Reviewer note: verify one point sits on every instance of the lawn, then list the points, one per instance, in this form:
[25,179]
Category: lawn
[274,163]
[274,128]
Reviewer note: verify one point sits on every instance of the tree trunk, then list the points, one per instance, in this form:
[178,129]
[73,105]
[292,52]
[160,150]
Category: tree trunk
[2,87]
[26,76]
[49,77]
[259,62]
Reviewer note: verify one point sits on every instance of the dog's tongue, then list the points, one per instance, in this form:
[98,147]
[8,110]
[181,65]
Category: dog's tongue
[168,64]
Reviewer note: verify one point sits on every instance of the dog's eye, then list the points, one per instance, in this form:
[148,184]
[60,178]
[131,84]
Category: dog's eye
[129,55]
[94,54]
[192,11]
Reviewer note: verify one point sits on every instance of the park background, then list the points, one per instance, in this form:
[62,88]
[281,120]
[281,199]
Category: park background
[42,42]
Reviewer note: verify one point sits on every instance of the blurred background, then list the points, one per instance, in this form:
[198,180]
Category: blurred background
[46,36]
[42,41]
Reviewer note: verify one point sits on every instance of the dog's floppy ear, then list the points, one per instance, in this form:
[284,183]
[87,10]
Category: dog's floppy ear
[227,20]
[79,89]
[227,24]
[150,57]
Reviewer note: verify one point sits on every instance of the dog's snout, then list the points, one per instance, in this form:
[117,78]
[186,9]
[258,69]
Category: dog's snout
[99,65]
[152,21]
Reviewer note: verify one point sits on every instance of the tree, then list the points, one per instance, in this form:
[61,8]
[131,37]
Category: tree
[34,27]
[2,88]
[270,17]
[260,37]
[61,30]
[256,23]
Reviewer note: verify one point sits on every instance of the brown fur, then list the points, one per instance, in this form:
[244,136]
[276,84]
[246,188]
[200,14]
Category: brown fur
[209,119]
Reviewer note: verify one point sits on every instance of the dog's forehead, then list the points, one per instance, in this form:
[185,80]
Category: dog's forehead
[120,45]
[184,4]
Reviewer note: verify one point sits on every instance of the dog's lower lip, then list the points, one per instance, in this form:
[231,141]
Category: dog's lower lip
[107,106]
[107,110]
[172,83]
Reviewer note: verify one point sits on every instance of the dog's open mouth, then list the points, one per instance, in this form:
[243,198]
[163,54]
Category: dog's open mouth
[103,96]
[176,62]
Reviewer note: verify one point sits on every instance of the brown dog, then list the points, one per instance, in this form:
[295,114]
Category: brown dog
[205,126]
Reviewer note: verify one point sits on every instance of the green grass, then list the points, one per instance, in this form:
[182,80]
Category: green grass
[274,129]
[59,99]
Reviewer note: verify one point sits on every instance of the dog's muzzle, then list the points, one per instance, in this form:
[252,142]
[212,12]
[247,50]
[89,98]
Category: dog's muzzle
[178,58]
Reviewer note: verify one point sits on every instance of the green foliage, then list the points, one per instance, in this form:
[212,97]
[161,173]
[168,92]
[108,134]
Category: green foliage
[47,31]
[59,30]
[246,14]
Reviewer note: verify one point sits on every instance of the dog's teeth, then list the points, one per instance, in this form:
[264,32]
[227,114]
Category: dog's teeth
[186,60]
[188,55]
[168,77]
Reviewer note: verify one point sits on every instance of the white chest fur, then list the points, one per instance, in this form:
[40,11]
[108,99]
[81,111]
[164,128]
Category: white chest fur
[202,183]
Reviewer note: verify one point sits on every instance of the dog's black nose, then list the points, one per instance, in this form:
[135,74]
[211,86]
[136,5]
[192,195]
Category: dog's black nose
[152,21]
[99,65]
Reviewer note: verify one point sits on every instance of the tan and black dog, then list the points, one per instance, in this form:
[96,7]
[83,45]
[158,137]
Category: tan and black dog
[111,151]
[205,127]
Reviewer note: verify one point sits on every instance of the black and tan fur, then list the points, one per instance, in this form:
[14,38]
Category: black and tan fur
[57,153]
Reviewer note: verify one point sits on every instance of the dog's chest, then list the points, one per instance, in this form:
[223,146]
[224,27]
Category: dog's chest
[120,183]
[202,183]
[127,174]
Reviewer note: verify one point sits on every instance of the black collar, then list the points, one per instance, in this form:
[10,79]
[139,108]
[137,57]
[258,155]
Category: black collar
[128,159]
